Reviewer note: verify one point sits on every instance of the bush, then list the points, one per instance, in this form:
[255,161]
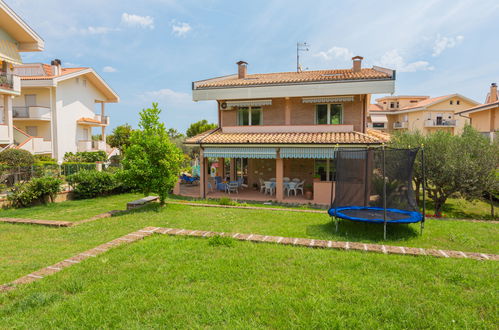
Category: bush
[74,167]
[86,156]
[89,184]
[44,158]
[16,157]
[226,201]
[218,240]
[39,189]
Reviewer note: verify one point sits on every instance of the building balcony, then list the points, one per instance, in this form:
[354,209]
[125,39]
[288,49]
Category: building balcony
[10,83]
[89,145]
[37,145]
[400,125]
[4,134]
[440,123]
[97,120]
[32,113]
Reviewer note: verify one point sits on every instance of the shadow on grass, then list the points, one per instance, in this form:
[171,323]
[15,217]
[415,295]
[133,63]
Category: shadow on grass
[153,207]
[362,232]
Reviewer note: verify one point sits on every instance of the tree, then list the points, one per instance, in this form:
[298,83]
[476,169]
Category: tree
[120,137]
[16,158]
[152,162]
[199,127]
[174,134]
[462,164]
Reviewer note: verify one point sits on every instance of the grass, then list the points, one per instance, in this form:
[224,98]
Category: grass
[73,210]
[459,208]
[169,282]
[26,248]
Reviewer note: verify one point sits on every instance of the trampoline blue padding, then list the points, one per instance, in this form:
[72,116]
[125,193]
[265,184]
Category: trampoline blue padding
[375,214]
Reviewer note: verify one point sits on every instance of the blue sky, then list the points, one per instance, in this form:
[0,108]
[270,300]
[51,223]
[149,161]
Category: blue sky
[151,50]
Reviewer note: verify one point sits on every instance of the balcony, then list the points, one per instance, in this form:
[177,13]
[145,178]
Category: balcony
[97,120]
[32,113]
[89,145]
[440,123]
[4,134]
[400,125]
[37,146]
[10,83]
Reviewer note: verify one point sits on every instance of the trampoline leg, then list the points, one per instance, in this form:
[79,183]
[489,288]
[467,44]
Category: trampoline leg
[336,223]
[384,231]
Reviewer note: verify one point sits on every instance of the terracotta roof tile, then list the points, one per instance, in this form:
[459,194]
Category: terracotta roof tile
[49,75]
[426,102]
[374,107]
[294,77]
[217,137]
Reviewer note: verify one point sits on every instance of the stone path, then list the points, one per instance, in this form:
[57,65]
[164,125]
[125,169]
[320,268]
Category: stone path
[303,242]
[57,223]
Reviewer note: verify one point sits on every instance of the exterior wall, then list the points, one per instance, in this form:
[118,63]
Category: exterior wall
[300,113]
[42,97]
[73,101]
[43,127]
[481,120]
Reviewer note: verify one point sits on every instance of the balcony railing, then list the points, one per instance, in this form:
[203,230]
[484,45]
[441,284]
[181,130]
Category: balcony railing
[35,112]
[439,123]
[6,80]
[89,145]
[399,125]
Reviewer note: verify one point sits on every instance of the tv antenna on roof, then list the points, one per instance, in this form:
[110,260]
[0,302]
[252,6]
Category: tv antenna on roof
[300,47]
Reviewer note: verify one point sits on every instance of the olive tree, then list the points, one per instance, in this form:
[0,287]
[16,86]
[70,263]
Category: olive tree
[152,162]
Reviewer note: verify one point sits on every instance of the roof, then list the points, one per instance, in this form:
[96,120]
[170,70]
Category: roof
[32,73]
[374,107]
[395,97]
[86,120]
[277,78]
[28,40]
[216,136]
[481,107]
[425,103]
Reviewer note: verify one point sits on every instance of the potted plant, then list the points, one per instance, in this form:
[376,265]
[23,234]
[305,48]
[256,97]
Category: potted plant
[309,192]
[317,178]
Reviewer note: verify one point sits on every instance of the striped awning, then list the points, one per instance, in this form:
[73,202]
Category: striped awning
[234,152]
[327,99]
[314,153]
[379,118]
[248,103]
[9,52]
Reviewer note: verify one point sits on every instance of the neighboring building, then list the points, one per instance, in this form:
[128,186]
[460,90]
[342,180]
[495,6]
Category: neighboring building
[421,113]
[288,124]
[55,112]
[485,117]
[15,37]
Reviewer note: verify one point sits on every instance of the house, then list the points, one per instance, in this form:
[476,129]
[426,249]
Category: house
[56,110]
[15,37]
[485,117]
[421,113]
[287,124]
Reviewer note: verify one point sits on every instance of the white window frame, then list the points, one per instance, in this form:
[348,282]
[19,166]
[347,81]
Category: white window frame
[250,119]
[329,105]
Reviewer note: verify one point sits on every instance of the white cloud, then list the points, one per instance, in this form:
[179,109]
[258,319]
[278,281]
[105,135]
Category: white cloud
[336,53]
[442,43]
[180,29]
[96,30]
[108,68]
[137,20]
[167,95]
[393,60]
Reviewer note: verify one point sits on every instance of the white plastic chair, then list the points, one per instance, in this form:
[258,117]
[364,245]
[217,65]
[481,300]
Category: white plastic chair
[232,187]
[299,187]
[296,180]
[269,187]
[262,185]
[285,179]
[292,187]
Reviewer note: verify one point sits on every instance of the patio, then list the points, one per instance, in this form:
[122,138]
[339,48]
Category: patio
[244,194]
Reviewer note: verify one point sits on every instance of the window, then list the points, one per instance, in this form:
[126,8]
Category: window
[84,82]
[324,169]
[392,105]
[329,114]
[378,125]
[451,102]
[413,101]
[458,102]
[249,116]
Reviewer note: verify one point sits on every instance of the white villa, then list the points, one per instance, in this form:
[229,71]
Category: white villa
[47,109]
[56,110]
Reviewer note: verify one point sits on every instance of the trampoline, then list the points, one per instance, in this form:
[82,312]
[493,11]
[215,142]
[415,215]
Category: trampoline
[374,185]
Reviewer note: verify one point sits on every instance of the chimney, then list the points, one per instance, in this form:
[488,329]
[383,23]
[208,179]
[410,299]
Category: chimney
[241,69]
[56,67]
[493,93]
[357,63]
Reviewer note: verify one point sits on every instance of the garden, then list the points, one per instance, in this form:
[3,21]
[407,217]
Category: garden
[219,281]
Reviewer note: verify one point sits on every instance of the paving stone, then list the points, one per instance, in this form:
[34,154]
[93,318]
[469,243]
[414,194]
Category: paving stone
[24,280]
[45,271]
[433,252]
[356,246]
[393,249]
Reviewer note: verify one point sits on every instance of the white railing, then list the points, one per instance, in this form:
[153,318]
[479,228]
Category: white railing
[287,129]
[84,145]
[4,134]
[37,146]
[398,125]
[438,123]
[35,112]
[9,81]
[99,145]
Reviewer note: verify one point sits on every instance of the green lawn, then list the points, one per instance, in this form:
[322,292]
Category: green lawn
[26,248]
[171,282]
[460,208]
[73,210]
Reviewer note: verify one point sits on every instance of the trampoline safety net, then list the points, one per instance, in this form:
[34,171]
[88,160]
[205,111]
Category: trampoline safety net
[360,183]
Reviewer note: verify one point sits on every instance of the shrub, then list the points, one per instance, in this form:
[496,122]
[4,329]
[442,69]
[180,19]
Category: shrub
[16,157]
[226,201]
[85,157]
[44,158]
[74,167]
[88,184]
[39,189]
[218,240]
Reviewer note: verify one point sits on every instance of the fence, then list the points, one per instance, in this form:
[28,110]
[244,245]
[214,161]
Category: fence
[9,176]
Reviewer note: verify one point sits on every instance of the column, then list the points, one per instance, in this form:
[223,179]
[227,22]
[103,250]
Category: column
[102,113]
[287,111]
[202,174]
[232,169]
[221,169]
[279,175]
[7,108]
